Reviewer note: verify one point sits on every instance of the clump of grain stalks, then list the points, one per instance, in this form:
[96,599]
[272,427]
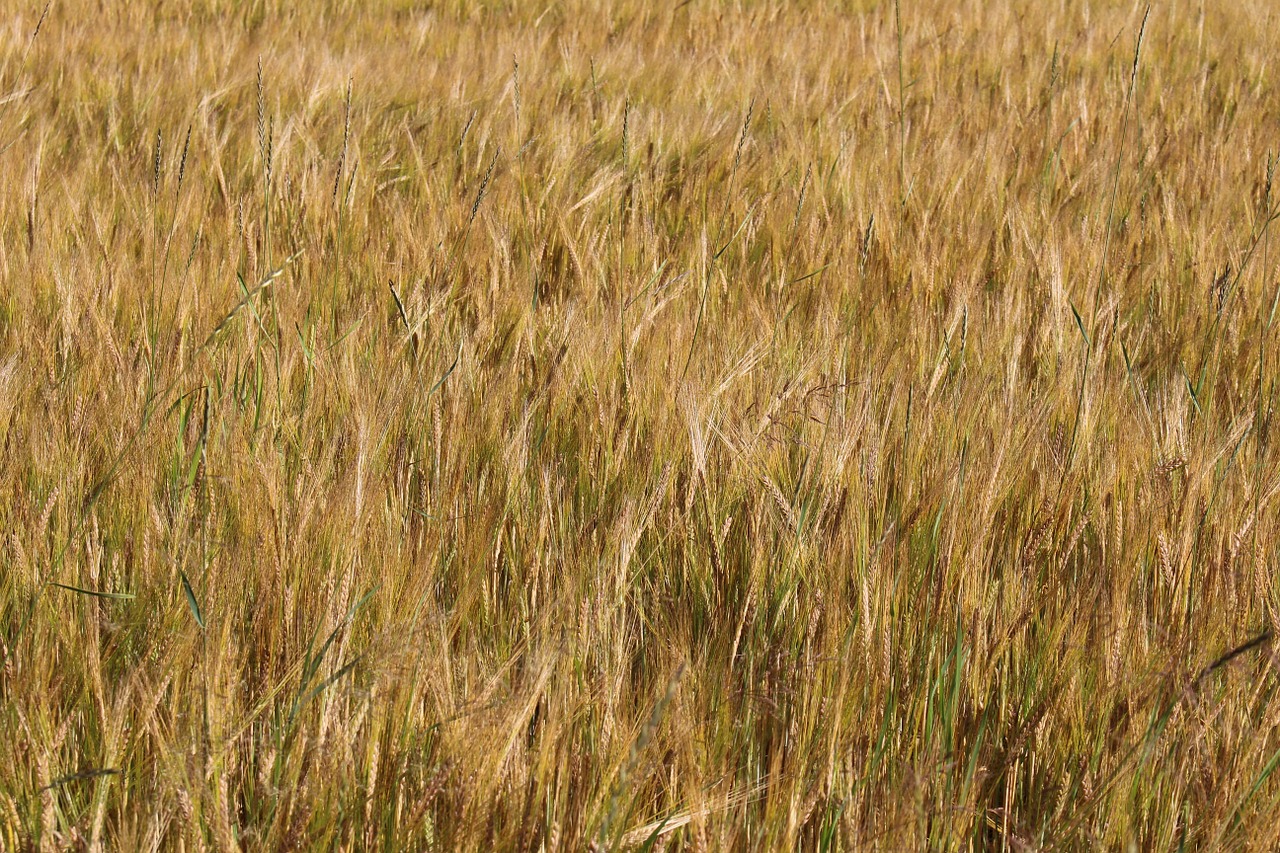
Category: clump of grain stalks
[632,426]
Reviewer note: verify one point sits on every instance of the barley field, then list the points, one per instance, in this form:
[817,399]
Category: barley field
[759,425]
